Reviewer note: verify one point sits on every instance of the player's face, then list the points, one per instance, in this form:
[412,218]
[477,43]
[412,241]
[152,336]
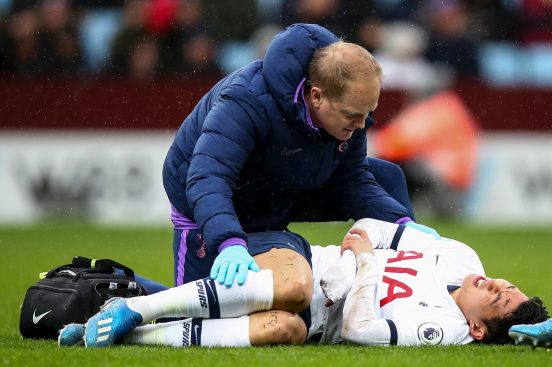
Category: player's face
[341,116]
[482,298]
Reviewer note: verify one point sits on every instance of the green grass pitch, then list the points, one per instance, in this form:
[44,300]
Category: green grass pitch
[521,255]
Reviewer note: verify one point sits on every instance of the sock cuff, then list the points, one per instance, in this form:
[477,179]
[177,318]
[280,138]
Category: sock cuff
[233,332]
[212,296]
[256,294]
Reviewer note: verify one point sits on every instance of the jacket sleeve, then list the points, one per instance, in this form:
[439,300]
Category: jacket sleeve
[229,135]
[358,192]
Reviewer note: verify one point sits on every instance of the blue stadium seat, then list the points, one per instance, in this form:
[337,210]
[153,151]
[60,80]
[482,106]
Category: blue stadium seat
[500,64]
[233,55]
[506,65]
[540,64]
[97,31]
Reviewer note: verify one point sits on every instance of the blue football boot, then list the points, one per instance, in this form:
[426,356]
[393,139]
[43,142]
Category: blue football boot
[110,324]
[72,334]
[539,334]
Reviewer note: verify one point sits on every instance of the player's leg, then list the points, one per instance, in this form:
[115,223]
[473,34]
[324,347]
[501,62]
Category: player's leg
[115,319]
[285,283]
[262,328]
[289,257]
[204,298]
[291,288]
[292,277]
[276,327]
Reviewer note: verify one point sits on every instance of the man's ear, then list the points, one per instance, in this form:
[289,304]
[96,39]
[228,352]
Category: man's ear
[477,331]
[316,96]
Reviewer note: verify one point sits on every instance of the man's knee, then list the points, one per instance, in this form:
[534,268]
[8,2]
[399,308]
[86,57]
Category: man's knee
[293,290]
[292,279]
[277,327]
[294,294]
[293,329]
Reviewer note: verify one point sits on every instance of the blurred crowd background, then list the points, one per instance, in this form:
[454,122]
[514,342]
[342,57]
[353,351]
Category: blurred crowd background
[421,44]
[459,76]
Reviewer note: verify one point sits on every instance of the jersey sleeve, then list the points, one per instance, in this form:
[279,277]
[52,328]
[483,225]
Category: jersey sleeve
[382,234]
[429,326]
[385,235]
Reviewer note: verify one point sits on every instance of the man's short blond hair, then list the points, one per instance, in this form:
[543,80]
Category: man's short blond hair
[334,65]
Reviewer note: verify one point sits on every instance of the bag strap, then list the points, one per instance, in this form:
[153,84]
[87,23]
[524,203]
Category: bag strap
[84,262]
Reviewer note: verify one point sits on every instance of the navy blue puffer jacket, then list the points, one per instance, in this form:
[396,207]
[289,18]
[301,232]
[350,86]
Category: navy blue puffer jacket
[246,153]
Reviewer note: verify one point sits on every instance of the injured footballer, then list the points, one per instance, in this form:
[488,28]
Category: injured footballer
[386,285]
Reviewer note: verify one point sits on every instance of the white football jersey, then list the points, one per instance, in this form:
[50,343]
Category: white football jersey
[410,303]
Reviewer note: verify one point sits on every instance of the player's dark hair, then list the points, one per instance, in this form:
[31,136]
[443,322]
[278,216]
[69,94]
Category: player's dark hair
[528,312]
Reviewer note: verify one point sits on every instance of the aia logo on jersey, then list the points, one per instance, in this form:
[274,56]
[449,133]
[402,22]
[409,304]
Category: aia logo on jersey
[430,333]
[201,251]
[395,288]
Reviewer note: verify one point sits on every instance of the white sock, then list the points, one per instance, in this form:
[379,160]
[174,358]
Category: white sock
[207,299]
[232,332]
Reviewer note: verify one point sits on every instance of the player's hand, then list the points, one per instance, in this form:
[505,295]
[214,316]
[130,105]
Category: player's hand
[231,261]
[357,241]
[422,228]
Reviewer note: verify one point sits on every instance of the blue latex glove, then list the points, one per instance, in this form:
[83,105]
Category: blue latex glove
[232,260]
[422,228]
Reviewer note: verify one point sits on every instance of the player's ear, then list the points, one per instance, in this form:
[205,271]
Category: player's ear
[477,331]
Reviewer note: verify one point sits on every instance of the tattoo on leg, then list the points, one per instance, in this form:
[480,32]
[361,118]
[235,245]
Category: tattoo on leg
[273,321]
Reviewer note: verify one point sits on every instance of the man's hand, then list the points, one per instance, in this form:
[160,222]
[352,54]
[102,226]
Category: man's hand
[232,260]
[422,228]
[357,241]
